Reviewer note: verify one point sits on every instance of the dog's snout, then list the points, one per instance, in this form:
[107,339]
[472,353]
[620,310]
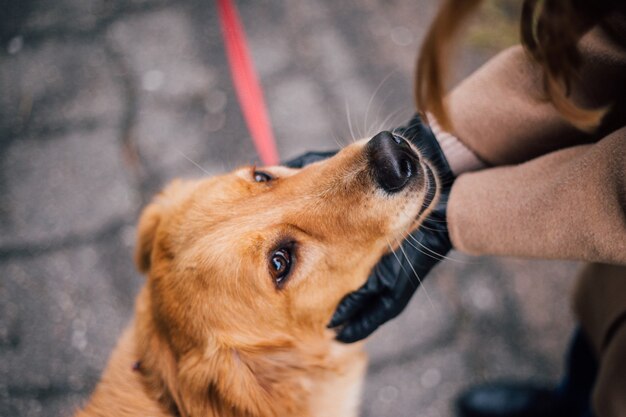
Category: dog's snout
[392,161]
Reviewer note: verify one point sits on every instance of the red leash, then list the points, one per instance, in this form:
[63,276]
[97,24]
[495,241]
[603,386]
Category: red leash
[246,83]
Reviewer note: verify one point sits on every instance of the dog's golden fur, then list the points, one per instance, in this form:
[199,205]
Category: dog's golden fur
[213,335]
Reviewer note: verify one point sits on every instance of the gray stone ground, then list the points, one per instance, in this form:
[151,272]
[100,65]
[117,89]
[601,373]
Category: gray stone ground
[104,101]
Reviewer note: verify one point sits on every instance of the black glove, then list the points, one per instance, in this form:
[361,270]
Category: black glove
[308,158]
[398,274]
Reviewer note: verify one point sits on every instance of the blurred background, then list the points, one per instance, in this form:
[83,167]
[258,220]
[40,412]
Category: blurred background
[104,101]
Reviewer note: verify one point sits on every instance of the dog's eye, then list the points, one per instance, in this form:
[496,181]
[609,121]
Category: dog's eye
[280,265]
[260,176]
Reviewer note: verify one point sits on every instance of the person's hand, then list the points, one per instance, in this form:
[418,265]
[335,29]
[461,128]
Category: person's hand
[398,274]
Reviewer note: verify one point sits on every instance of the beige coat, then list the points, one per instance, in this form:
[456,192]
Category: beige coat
[554,192]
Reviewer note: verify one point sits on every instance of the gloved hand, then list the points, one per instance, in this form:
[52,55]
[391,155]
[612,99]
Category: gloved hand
[398,274]
[308,158]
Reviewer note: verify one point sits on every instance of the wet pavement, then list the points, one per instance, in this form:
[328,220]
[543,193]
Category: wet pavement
[104,101]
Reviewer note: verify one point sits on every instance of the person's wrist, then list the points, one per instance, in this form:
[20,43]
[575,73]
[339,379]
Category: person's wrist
[460,158]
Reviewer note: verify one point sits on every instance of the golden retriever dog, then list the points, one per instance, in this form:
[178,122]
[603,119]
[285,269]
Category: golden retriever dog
[244,271]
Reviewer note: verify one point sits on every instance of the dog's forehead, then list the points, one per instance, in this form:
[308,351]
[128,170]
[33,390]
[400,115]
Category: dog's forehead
[323,198]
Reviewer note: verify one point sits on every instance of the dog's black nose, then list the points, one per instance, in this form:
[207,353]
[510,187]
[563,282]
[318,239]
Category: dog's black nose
[392,161]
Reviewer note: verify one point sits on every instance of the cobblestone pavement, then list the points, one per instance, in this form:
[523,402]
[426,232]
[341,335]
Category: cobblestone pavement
[104,101]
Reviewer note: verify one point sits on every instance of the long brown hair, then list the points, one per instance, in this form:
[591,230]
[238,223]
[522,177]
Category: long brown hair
[550,31]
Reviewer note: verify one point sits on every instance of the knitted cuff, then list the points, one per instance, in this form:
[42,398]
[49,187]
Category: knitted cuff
[460,158]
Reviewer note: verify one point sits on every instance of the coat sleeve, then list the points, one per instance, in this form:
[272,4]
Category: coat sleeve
[501,113]
[557,192]
[568,204]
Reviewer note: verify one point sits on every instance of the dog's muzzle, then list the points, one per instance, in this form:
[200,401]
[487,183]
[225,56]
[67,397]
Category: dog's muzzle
[392,161]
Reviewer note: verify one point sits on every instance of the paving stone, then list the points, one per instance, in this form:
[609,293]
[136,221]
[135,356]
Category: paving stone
[162,53]
[300,114]
[56,86]
[65,406]
[74,184]
[270,52]
[422,386]
[82,14]
[496,315]
[489,346]
[543,290]
[71,306]
[493,356]
[175,145]
[184,123]
[325,47]
[270,48]
[76,16]
[430,320]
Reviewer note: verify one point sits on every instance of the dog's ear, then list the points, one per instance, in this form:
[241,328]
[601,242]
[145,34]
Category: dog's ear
[152,217]
[146,232]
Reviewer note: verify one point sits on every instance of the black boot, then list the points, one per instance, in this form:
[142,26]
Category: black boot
[509,400]
[570,399]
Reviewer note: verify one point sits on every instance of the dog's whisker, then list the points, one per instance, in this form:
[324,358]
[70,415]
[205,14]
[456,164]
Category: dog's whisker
[337,141]
[430,301]
[450,258]
[434,255]
[395,255]
[432,229]
[354,139]
[192,161]
[371,100]
[387,119]
[377,125]
[412,125]
[430,253]
[438,221]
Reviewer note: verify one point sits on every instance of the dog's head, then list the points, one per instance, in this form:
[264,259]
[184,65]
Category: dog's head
[259,258]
